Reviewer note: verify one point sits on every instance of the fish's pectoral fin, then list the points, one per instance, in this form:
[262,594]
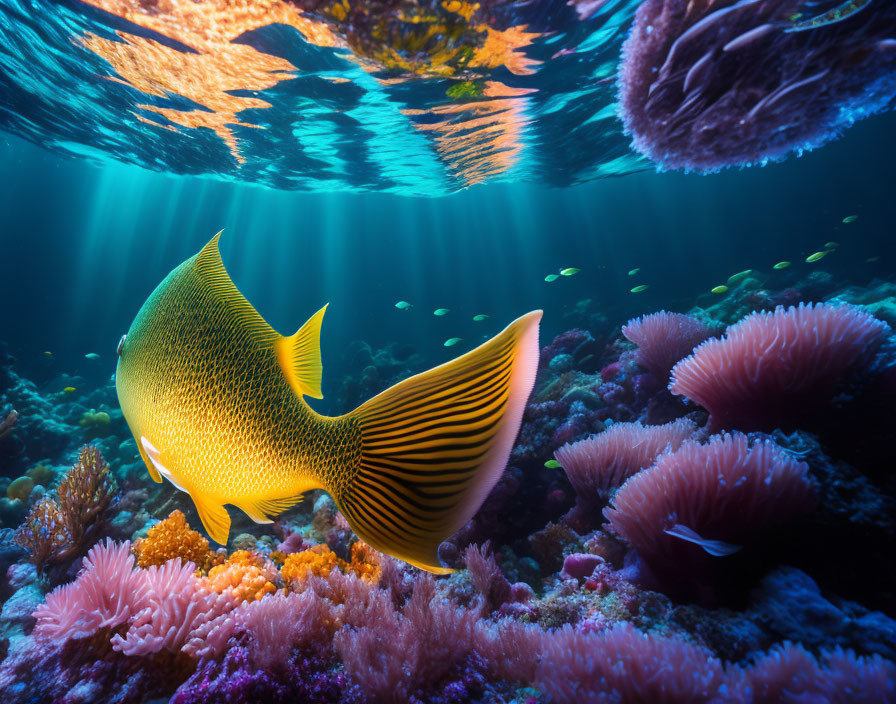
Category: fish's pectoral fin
[264,510]
[214,517]
[299,357]
[150,467]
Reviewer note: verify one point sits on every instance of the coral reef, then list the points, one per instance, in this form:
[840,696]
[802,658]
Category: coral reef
[705,85]
[729,568]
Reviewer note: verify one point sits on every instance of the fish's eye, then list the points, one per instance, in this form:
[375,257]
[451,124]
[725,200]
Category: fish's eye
[121,344]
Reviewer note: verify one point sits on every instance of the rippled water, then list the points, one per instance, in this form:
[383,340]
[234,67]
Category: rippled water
[402,96]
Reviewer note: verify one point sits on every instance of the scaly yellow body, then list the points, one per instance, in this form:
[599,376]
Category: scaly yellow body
[213,396]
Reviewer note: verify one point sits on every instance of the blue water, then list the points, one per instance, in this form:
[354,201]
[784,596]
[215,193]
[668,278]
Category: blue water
[85,243]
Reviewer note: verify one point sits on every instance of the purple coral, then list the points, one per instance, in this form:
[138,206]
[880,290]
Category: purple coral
[665,338]
[625,665]
[602,462]
[704,502]
[705,85]
[771,369]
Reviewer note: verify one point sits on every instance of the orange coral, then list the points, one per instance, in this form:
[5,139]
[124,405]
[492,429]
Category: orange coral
[318,561]
[246,574]
[365,562]
[172,538]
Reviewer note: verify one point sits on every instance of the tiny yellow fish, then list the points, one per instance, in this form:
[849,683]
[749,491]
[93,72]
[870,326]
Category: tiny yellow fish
[441,311]
[551,277]
[452,341]
[719,289]
[782,265]
[91,356]
[850,218]
[69,390]
[552,464]
[214,398]
[48,353]
[402,305]
[479,318]
[638,289]
[632,272]
[815,257]
[570,271]
[735,279]
[831,245]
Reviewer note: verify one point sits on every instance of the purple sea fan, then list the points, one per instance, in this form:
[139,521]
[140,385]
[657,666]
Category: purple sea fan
[771,369]
[597,465]
[704,502]
[706,84]
[625,665]
[665,338]
[107,593]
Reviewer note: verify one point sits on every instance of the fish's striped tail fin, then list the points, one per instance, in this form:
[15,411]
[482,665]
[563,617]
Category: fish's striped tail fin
[434,445]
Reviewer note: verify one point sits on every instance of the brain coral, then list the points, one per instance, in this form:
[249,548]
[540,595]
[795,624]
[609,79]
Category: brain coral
[706,84]
[771,369]
[664,338]
[704,502]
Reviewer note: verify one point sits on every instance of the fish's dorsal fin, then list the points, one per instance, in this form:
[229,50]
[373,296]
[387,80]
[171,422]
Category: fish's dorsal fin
[299,357]
[209,267]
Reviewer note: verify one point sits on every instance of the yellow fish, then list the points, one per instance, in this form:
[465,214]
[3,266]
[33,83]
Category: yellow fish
[213,396]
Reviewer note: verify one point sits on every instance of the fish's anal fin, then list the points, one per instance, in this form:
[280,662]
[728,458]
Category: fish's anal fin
[263,511]
[214,517]
[150,467]
[434,445]
[299,357]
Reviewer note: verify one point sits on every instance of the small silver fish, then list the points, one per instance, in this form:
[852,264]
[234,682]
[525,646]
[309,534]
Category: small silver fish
[402,305]
[551,277]
[441,311]
[91,355]
[451,342]
[479,318]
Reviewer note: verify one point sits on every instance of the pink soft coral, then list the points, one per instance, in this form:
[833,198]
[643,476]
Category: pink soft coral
[597,465]
[771,369]
[107,593]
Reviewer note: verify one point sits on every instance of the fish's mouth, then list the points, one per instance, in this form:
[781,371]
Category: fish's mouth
[120,347]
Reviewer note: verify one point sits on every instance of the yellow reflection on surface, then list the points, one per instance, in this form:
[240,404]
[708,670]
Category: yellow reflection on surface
[479,139]
[217,67]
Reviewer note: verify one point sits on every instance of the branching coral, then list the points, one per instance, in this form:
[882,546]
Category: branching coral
[57,530]
[665,338]
[597,465]
[173,538]
[771,369]
[704,502]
